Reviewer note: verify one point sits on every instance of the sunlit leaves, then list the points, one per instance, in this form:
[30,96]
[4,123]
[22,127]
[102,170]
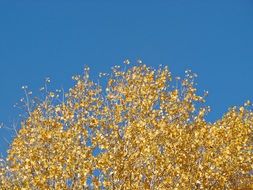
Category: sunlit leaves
[144,131]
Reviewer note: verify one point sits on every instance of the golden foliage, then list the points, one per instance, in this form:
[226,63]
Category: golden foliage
[141,133]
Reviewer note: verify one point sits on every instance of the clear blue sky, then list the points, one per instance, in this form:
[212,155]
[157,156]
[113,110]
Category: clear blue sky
[40,39]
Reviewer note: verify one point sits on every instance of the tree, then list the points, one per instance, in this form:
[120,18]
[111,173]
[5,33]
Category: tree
[140,133]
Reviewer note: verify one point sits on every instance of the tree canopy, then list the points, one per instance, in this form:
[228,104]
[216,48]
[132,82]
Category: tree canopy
[144,130]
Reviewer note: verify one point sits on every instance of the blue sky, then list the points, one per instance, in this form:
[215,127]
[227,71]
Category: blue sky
[56,39]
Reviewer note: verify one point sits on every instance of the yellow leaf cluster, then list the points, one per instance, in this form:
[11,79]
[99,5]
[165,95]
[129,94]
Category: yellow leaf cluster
[141,133]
